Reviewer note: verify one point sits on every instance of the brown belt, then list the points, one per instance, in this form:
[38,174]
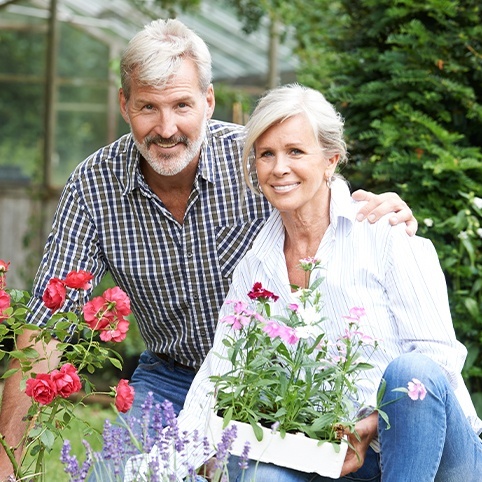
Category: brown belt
[169,360]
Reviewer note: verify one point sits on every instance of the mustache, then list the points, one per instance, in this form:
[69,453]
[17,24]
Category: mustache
[149,140]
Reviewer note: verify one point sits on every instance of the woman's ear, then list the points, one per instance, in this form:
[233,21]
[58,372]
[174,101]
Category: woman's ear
[333,161]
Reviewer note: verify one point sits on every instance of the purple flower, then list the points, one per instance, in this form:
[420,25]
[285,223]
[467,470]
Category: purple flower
[244,459]
[70,461]
[223,448]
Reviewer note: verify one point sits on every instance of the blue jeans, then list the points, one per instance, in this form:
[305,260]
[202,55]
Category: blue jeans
[165,380]
[429,440]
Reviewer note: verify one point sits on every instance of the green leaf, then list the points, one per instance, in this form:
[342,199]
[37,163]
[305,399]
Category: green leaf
[47,438]
[9,373]
[116,363]
[258,431]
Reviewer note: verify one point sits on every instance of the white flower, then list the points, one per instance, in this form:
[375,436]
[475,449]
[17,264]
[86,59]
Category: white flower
[463,235]
[479,232]
[306,331]
[428,222]
[478,202]
[309,315]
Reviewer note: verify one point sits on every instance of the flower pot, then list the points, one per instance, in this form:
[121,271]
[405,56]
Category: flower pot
[295,451]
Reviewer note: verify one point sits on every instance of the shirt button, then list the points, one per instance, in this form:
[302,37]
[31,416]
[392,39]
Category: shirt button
[189,254]
[195,296]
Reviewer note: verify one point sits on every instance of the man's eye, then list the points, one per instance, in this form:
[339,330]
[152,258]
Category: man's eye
[182,105]
[148,107]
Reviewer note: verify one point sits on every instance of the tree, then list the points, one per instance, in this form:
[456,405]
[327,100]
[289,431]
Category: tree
[407,76]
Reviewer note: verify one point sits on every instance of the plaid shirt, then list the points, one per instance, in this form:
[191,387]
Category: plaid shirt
[176,276]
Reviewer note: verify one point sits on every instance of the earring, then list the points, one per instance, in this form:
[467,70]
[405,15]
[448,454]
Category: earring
[259,187]
[329,180]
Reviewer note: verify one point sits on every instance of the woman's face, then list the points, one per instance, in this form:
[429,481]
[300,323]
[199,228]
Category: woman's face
[292,167]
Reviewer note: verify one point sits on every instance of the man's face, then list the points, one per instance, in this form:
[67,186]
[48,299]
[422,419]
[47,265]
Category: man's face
[168,123]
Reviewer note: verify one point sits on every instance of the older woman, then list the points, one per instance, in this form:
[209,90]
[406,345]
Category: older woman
[293,146]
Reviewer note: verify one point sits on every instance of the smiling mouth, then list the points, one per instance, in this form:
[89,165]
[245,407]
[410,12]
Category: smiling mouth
[286,188]
[165,144]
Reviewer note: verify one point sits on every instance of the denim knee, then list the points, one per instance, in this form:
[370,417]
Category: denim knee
[412,365]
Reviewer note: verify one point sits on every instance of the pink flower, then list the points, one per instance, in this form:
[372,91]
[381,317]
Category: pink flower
[79,280]
[116,331]
[54,295]
[289,335]
[258,292]
[356,313]
[118,301]
[4,304]
[293,307]
[416,389]
[272,329]
[66,380]
[241,317]
[309,263]
[41,388]
[124,396]
[96,314]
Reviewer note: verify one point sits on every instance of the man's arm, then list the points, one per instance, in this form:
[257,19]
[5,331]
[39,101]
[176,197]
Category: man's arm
[380,204]
[15,403]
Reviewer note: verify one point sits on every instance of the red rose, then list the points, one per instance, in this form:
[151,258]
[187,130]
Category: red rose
[119,301]
[66,380]
[258,292]
[124,396]
[116,332]
[4,266]
[96,314]
[41,388]
[79,280]
[54,295]
[4,304]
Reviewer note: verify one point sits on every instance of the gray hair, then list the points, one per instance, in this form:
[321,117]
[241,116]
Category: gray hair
[288,101]
[155,54]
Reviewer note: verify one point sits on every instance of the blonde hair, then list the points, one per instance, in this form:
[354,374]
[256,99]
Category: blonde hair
[283,103]
[155,54]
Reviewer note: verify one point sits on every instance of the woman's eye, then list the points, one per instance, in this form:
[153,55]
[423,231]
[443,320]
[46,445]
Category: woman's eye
[296,152]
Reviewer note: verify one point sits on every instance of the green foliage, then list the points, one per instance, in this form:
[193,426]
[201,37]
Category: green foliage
[407,76]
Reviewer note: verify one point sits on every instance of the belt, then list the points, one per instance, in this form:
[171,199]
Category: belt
[169,360]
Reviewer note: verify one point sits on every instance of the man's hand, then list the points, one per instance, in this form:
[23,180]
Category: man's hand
[380,204]
[366,430]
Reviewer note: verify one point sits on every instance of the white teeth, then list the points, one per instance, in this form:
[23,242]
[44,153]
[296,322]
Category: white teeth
[166,145]
[288,187]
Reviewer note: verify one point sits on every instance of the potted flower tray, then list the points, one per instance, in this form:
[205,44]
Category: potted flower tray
[295,451]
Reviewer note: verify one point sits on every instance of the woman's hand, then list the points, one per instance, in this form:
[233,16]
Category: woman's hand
[380,204]
[366,430]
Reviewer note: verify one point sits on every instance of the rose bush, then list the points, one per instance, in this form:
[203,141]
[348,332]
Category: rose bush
[82,333]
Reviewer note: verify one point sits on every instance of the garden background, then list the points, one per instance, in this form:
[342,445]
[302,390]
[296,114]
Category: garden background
[407,76]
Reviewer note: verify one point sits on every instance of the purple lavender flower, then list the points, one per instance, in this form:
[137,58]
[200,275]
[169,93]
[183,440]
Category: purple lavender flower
[244,459]
[227,439]
[70,461]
